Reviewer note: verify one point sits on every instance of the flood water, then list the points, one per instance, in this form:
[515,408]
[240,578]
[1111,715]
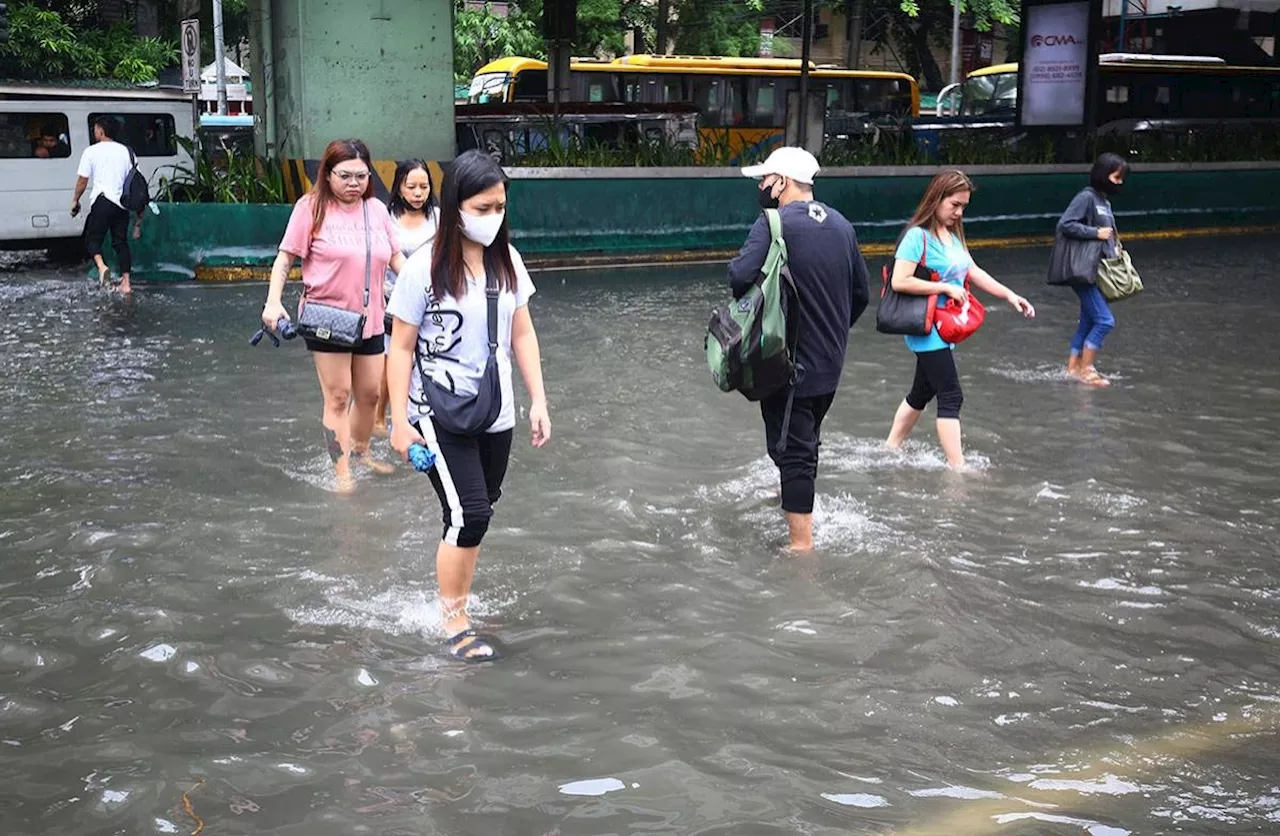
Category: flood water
[1078,637]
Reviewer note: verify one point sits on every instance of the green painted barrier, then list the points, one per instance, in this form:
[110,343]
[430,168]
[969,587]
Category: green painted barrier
[580,212]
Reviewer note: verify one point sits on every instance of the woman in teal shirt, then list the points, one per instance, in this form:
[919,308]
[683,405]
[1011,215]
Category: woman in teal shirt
[935,235]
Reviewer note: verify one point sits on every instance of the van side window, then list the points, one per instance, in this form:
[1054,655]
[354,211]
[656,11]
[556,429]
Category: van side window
[148,134]
[45,136]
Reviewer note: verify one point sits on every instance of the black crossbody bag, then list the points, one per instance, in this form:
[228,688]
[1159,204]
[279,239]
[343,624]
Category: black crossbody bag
[468,414]
[334,325]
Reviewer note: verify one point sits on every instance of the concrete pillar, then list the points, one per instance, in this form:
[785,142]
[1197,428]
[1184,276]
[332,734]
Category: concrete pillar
[379,70]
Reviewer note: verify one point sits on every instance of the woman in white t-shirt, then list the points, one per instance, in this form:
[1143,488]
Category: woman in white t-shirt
[416,217]
[441,335]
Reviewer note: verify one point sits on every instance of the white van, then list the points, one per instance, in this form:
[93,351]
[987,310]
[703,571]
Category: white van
[38,174]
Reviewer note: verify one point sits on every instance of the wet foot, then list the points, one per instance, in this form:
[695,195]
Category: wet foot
[104,277]
[125,288]
[381,431]
[365,459]
[470,646]
[1090,377]
[343,482]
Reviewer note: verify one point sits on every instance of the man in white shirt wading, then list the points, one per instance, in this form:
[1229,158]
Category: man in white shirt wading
[107,163]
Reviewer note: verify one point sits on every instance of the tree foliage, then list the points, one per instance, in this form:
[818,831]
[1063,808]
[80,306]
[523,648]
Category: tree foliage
[42,45]
[717,28]
[481,36]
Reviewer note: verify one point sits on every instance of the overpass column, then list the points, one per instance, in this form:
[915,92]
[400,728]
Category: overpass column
[380,70]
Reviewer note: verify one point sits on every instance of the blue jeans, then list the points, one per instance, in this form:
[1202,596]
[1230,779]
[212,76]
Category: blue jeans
[1096,320]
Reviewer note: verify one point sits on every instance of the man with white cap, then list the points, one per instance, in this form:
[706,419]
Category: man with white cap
[831,285]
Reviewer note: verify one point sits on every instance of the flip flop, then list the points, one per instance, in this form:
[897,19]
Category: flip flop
[481,648]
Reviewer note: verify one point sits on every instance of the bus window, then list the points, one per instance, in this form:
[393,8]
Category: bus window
[34,136]
[673,89]
[883,96]
[488,87]
[531,86]
[593,87]
[764,103]
[1206,97]
[148,134]
[735,101]
[632,88]
[708,95]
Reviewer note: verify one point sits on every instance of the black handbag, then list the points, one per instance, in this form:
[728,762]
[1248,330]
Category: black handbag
[1074,261]
[463,414]
[905,313]
[334,325]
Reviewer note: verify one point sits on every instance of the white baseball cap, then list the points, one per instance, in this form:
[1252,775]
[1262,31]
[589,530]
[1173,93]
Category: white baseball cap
[792,163]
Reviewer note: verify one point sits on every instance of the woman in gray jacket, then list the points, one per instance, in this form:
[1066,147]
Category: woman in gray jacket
[1089,217]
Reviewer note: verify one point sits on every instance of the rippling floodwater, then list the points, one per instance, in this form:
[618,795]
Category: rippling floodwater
[1079,638]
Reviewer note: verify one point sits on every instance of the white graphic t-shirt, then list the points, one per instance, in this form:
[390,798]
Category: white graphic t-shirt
[453,334]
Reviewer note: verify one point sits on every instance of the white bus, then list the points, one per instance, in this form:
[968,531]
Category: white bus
[38,175]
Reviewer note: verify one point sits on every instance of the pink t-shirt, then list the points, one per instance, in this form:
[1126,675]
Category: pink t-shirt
[333,263]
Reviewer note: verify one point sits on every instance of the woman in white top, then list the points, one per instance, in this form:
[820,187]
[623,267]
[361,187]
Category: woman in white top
[440,351]
[416,217]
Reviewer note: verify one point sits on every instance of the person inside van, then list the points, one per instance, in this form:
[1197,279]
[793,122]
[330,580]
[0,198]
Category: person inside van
[52,143]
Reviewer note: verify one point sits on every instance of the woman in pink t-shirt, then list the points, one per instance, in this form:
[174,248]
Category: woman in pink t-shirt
[328,231]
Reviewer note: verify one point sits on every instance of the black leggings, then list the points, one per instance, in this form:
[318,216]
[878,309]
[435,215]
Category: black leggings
[104,217]
[468,479]
[798,465]
[936,376]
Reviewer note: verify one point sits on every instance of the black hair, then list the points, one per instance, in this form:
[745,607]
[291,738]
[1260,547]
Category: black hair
[1107,164]
[397,204]
[470,174]
[110,126]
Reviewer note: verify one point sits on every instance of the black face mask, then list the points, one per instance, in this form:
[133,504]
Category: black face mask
[766,198]
[1112,188]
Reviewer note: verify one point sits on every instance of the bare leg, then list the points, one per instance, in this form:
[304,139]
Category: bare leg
[366,376]
[800,528]
[380,411]
[124,284]
[455,570]
[903,423]
[949,437]
[334,371]
[1074,366]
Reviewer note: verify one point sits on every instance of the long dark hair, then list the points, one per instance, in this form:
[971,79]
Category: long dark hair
[944,185]
[396,204]
[1107,164]
[339,151]
[470,174]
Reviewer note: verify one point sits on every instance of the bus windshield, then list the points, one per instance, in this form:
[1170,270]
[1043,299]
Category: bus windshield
[488,87]
[990,95]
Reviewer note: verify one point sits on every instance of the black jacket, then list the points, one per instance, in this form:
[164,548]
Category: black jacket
[831,281]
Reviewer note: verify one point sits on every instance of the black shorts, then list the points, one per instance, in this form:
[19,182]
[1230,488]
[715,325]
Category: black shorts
[371,346]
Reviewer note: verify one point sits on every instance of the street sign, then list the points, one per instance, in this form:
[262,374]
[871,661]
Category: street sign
[191,56]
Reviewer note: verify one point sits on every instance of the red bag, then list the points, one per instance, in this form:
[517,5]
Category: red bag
[956,322]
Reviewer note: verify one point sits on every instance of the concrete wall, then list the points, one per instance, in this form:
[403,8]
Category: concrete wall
[379,70]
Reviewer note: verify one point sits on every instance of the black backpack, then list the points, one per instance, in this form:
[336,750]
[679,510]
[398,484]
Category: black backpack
[136,194]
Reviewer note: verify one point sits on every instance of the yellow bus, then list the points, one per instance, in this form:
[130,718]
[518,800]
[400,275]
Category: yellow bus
[743,98]
[1138,92]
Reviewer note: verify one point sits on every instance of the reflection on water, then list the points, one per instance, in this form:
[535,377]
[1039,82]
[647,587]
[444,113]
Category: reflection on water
[1079,637]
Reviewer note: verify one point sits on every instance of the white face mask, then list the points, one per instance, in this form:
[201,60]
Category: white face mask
[482,229]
